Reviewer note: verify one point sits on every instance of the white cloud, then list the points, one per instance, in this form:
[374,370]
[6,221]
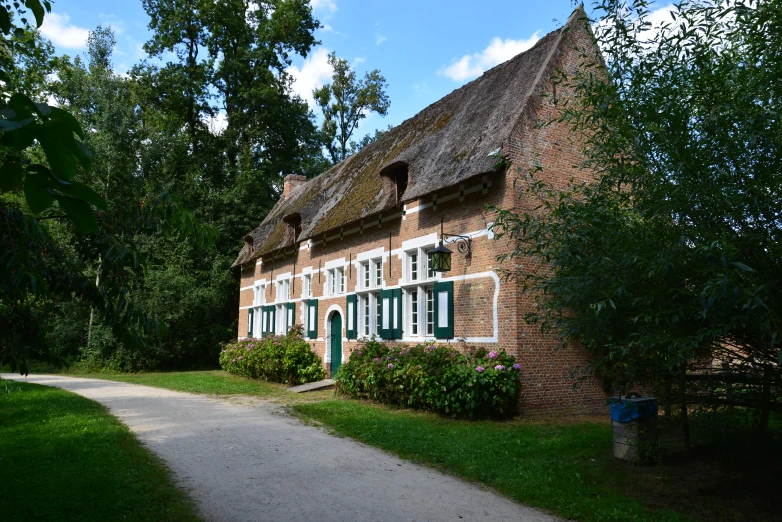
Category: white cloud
[313,73]
[57,29]
[379,38]
[359,60]
[473,65]
[647,33]
[328,5]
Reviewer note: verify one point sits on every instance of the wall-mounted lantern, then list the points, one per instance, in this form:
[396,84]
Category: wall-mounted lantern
[440,257]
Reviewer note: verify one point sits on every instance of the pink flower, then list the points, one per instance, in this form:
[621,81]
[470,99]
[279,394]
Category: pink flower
[517,366]
[249,348]
[240,357]
[499,367]
[479,369]
[376,359]
[233,360]
[493,355]
[419,366]
[432,347]
[390,365]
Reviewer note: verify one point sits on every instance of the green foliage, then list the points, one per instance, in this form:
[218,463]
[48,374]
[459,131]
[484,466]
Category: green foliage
[670,252]
[287,359]
[345,102]
[66,458]
[435,378]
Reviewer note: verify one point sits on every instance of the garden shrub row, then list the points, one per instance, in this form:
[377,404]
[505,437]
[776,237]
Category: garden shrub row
[435,378]
[283,358]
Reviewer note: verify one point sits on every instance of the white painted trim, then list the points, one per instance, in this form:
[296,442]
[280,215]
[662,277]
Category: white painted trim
[370,254]
[246,307]
[327,330]
[495,315]
[245,288]
[419,242]
[334,263]
[307,270]
[280,277]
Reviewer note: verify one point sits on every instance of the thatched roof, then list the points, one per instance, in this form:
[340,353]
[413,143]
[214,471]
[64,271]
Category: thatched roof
[442,146]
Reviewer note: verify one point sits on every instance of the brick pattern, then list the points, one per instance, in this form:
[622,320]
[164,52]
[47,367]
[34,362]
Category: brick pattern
[546,374]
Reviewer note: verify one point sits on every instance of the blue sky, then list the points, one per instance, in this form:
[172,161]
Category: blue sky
[424,48]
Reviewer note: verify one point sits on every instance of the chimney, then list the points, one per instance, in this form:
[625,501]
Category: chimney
[290,182]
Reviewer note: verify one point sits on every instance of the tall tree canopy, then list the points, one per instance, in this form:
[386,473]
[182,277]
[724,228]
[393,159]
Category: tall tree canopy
[345,102]
[153,153]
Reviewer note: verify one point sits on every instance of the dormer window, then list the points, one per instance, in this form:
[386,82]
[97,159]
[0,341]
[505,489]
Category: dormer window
[293,223]
[248,243]
[395,180]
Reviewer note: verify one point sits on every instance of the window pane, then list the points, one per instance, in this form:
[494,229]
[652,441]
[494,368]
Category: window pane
[376,301]
[366,315]
[365,267]
[386,308]
[429,311]
[414,311]
[378,272]
[350,316]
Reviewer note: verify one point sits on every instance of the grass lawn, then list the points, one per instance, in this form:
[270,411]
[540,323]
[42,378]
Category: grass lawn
[64,457]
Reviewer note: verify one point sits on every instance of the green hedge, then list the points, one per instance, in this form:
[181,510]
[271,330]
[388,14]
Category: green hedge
[283,358]
[434,377]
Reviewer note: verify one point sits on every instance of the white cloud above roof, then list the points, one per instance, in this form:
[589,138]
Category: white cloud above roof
[328,5]
[473,65]
[56,27]
[314,72]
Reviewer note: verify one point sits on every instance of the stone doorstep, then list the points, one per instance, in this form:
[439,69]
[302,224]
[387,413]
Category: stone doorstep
[310,386]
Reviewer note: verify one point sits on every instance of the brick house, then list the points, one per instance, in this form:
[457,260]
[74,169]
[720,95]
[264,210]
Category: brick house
[345,254]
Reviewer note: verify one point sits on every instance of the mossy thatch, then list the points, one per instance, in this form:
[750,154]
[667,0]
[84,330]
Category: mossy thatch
[443,145]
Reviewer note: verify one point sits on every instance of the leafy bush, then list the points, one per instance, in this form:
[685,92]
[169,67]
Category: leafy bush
[282,358]
[435,378]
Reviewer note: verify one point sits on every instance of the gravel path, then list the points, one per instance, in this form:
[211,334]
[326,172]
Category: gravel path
[253,462]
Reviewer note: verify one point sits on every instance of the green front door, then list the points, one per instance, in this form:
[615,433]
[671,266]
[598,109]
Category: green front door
[336,343]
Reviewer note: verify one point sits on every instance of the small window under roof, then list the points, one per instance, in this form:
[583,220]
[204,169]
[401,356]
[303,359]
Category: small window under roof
[293,222]
[395,180]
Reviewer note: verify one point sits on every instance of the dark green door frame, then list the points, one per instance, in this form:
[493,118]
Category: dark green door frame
[336,342]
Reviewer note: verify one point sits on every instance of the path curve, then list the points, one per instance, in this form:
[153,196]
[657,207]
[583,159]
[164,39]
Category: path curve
[253,462]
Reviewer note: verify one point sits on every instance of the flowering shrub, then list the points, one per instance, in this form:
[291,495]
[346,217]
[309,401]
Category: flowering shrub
[434,377]
[283,358]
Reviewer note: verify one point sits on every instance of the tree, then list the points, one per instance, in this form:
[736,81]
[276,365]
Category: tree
[671,255]
[53,243]
[345,102]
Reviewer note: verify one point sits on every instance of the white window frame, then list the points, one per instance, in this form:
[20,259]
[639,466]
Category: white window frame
[335,282]
[306,286]
[283,291]
[280,315]
[366,331]
[420,285]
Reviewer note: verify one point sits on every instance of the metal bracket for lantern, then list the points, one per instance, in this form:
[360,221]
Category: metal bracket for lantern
[440,257]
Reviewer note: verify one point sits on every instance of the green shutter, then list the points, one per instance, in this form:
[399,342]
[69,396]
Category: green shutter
[396,317]
[250,314]
[290,317]
[312,326]
[351,307]
[443,326]
[386,299]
